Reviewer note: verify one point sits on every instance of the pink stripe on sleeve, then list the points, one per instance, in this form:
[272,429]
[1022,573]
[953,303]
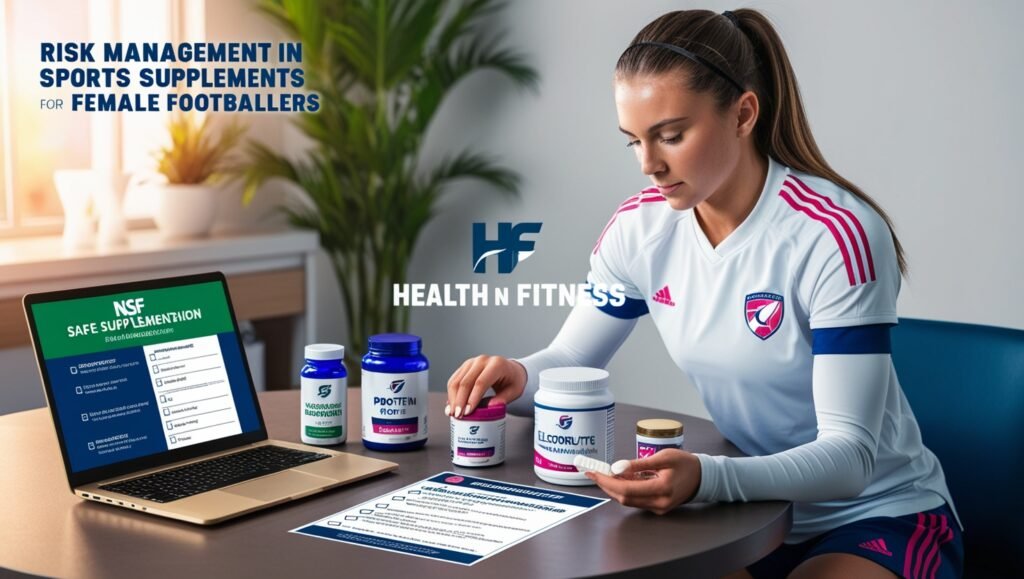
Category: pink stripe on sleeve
[806,196]
[853,218]
[630,200]
[831,227]
[627,205]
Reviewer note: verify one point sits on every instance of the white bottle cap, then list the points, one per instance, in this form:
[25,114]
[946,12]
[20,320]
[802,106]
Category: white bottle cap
[325,352]
[574,379]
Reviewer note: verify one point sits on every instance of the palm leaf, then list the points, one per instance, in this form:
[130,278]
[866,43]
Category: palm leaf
[473,165]
[383,68]
[463,22]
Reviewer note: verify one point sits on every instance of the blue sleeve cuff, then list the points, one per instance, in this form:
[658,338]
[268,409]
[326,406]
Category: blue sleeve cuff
[871,339]
[632,309]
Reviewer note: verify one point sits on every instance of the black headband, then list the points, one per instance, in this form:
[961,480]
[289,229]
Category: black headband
[695,58]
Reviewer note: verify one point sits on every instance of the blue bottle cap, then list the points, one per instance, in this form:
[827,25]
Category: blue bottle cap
[395,344]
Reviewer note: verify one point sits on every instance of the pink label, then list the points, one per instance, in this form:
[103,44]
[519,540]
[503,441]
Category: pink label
[551,465]
[476,452]
[395,428]
[644,450]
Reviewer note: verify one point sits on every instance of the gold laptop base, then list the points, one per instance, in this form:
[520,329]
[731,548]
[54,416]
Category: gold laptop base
[219,505]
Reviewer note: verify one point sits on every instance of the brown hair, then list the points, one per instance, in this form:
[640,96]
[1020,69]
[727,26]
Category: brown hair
[751,52]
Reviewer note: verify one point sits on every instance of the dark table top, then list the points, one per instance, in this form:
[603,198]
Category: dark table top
[49,531]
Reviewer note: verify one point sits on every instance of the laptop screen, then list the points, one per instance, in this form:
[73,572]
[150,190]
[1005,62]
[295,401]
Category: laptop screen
[137,373]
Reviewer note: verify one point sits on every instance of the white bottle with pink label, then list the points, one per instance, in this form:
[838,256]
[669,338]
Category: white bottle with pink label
[574,414]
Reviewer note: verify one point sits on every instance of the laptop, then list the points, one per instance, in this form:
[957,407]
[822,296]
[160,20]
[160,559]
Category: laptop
[155,409]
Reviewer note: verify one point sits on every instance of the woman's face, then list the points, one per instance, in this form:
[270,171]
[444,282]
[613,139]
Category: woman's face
[685,145]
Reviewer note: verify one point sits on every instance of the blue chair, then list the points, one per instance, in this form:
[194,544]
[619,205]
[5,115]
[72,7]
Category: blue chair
[965,384]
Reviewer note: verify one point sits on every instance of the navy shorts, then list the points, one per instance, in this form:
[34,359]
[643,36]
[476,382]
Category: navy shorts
[924,545]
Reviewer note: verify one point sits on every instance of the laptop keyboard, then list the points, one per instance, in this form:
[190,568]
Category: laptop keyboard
[184,481]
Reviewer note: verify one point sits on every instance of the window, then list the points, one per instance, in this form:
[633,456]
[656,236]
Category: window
[36,142]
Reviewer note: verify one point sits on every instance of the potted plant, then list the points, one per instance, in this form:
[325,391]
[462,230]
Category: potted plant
[382,69]
[194,166]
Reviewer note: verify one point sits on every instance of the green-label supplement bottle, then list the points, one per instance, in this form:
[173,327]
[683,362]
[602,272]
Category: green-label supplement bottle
[324,389]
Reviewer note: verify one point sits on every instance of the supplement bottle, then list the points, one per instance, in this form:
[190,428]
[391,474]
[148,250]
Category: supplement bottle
[574,413]
[324,384]
[654,434]
[478,438]
[394,384]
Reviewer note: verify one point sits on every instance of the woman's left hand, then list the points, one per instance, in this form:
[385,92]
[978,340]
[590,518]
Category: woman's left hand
[677,481]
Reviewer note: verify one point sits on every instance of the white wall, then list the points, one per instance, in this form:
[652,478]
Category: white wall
[914,101]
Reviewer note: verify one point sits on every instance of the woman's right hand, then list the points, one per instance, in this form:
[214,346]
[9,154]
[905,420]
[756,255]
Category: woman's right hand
[470,382]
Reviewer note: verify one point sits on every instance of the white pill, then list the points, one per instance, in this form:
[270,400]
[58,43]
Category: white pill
[585,463]
[620,467]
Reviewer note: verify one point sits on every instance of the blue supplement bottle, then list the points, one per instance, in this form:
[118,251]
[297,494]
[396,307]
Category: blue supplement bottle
[394,384]
[324,390]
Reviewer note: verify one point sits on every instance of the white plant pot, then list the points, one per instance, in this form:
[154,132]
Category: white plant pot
[185,211]
[76,190]
[109,199]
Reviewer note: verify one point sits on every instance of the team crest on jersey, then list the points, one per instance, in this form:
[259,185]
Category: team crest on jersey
[764,313]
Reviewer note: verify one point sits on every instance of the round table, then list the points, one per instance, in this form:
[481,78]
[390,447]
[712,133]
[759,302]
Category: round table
[48,531]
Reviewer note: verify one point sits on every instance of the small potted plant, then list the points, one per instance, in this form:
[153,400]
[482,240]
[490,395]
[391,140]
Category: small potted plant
[194,167]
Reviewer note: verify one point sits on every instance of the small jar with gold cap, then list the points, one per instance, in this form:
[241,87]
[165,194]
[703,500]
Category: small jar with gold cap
[654,434]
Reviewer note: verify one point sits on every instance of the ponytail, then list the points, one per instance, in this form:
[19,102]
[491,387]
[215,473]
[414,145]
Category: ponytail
[744,45]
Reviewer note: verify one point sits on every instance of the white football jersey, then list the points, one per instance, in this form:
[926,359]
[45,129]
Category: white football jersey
[744,320]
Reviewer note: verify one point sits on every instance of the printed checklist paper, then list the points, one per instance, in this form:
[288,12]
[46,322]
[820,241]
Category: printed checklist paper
[452,517]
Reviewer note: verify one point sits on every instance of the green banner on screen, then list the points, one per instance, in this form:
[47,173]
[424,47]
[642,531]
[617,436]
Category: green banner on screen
[139,318]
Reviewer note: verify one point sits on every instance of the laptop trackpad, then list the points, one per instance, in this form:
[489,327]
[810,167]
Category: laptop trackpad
[280,485]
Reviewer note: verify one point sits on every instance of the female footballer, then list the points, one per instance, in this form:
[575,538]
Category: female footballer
[773,282]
